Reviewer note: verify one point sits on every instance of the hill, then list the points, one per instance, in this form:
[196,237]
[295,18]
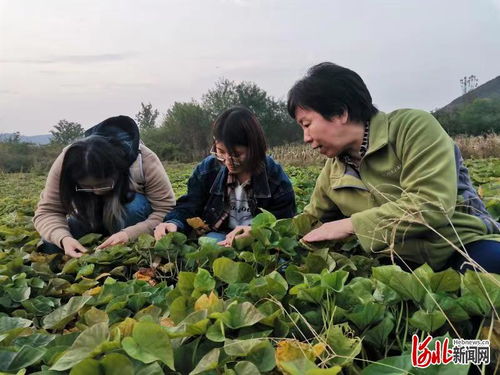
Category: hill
[42,139]
[490,89]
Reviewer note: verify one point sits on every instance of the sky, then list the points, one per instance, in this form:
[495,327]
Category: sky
[87,60]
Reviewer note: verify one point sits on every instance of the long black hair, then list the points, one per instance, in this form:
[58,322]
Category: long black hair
[238,126]
[100,158]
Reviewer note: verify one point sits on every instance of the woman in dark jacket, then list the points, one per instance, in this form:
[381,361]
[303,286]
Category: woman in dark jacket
[228,187]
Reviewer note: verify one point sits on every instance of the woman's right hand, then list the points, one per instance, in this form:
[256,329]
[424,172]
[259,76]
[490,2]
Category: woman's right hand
[163,228]
[72,247]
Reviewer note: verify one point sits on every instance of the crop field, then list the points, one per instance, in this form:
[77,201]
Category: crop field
[266,306]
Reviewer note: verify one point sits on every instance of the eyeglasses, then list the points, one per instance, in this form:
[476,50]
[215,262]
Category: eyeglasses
[95,190]
[235,162]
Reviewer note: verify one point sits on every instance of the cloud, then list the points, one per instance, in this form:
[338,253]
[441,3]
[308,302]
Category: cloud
[72,59]
[8,92]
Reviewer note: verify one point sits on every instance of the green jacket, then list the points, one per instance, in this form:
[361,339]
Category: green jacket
[408,197]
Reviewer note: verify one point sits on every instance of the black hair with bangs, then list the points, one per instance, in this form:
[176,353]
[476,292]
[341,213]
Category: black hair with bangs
[238,126]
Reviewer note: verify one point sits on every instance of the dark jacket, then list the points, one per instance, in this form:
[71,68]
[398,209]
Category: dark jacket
[272,191]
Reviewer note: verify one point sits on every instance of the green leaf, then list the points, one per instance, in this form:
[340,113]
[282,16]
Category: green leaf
[88,341]
[85,271]
[273,285]
[482,285]
[358,291]
[365,315]
[117,364]
[390,366]
[428,322]
[90,239]
[94,316]
[334,281]
[149,342]
[240,315]
[210,361]
[265,219]
[263,356]
[344,344]
[203,281]
[35,340]
[304,366]
[15,360]
[185,283]
[145,241]
[40,305]
[88,366]
[62,315]
[240,348]
[71,266]
[445,281]
[294,275]
[246,368]
[152,369]
[378,335]
[232,272]
[216,332]
[7,323]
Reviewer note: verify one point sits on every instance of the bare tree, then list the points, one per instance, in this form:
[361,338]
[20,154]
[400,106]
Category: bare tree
[468,83]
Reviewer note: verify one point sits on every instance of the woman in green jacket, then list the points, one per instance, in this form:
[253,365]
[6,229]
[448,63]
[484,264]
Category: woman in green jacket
[396,180]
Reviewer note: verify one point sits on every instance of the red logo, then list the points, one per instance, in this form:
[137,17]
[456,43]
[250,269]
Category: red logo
[422,356]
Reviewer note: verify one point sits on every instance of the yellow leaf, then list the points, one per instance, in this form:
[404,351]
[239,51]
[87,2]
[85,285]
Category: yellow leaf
[197,223]
[206,302]
[93,292]
[319,349]
[202,303]
[167,322]
[289,350]
[127,326]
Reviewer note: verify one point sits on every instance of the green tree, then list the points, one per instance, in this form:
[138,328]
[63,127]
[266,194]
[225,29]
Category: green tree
[189,126]
[146,117]
[14,138]
[66,132]
[480,117]
[278,126]
[183,135]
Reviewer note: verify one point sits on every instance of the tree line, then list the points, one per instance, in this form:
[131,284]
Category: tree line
[478,117]
[183,132]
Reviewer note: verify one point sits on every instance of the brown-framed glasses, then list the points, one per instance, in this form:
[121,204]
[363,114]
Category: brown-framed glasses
[235,162]
[95,190]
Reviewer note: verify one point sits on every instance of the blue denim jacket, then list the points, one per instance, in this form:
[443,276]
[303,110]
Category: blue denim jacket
[272,191]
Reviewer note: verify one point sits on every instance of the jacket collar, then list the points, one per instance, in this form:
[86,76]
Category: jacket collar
[260,183]
[379,132]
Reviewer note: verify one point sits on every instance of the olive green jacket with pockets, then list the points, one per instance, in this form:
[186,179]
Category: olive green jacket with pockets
[407,198]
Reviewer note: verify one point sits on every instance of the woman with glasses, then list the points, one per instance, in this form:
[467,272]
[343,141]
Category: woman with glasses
[228,187]
[108,183]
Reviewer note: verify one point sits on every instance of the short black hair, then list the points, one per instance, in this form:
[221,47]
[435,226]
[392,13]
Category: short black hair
[330,90]
[238,126]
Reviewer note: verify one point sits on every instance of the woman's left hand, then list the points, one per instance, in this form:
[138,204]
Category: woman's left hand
[115,239]
[334,230]
[239,232]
